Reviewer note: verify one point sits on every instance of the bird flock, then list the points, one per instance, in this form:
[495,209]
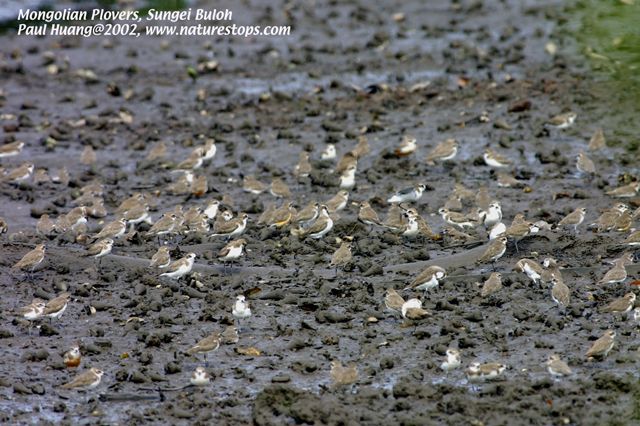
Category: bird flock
[315,220]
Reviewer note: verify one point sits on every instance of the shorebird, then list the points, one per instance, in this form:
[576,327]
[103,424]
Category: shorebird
[493,159]
[85,381]
[531,268]
[99,250]
[408,146]
[393,301]
[452,361]
[342,256]
[205,346]
[233,228]
[241,309]
[443,152]
[231,252]
[32,312]
[556,367]
[601,347]
[180,267]
[492,285]
[345,376]
[200,377]
[412,311]
[428,279]
[322,226]
[303,168]
[31,260]
[72,358]
[495,251]
[56,307]
[407,195]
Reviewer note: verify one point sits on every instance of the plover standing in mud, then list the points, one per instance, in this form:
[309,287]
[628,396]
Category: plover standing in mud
[341,256]
[113,230]
[562,121]
[11,149]
[477,373]
[393,301]
[158,152]
[557,367]
[329,153]
[443,152]
[212,209]
[129,203]
[194,161]
[492,285]
[88,156]
[412,311]
[253,186]
[56,307]
[626,191]
[303,168]
[362,148]
[621,305]
[200,377]
[348,178]
[560,294]
[455,219]
[492,215]
[86,381]
[408,195]
[233,228]
[161,259]
[209,149]
[339,201]
[308,214]
[322,226]
[493,159]
[584,164]
[230,335]
[72,358]
[344,376]
[552,270]
[180,267]
[241,309]
[408,146]
[205,346]
[63,225]
[495,251]
[99,250]
[19,174]
[32,312]
[281,217]
[347,160]
[615,275]
[573,219]
[497,230]
[483,199]
[601,347]
[518,232]
[45,225]
[31,259]
[279,189]
[531,268]
[428,279]
[231,252]
[452,361]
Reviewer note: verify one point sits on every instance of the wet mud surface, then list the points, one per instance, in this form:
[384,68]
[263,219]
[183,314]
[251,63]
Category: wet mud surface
[348,69]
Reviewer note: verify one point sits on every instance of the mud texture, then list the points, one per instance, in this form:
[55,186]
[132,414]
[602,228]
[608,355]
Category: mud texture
[442,70]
